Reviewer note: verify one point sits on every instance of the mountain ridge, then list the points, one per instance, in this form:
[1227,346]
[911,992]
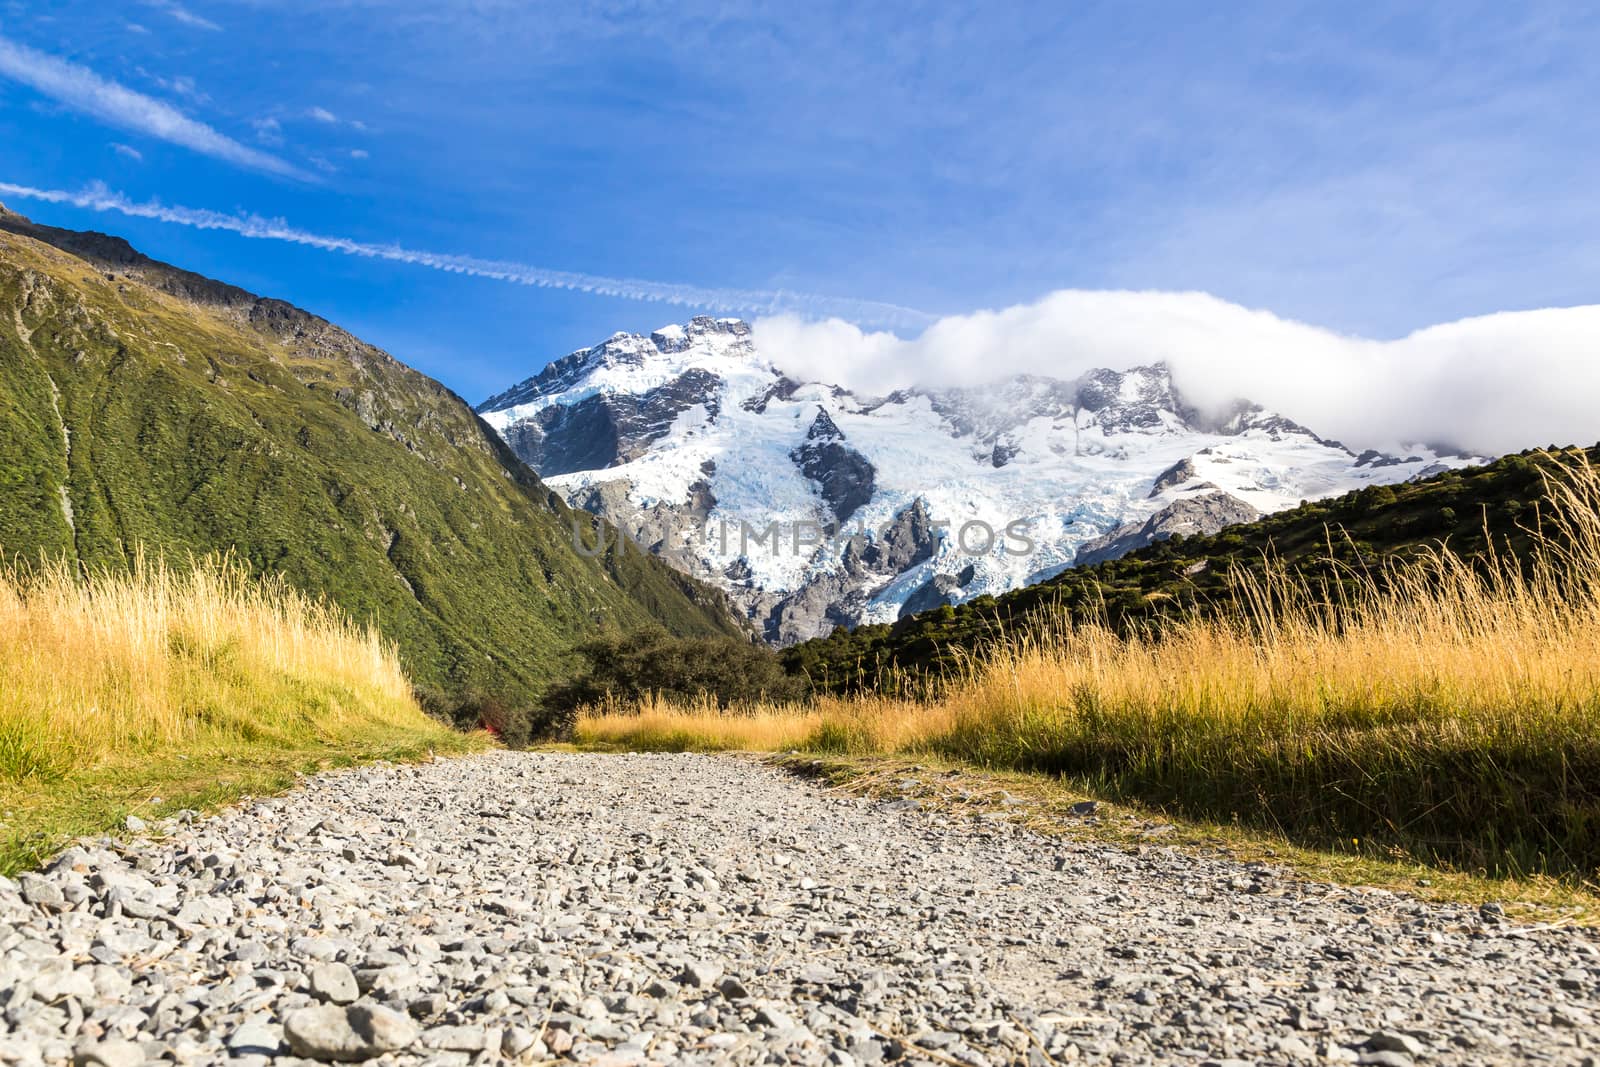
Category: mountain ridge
[679,435]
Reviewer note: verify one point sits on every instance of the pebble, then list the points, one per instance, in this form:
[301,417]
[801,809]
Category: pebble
[334,982]
[1392,1041]
[108,1054]
[347,1034]
[1384,1058]
[697,909]
[700,975]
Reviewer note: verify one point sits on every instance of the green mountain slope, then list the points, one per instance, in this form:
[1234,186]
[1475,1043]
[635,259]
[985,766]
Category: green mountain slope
[144,406]
[1329,541]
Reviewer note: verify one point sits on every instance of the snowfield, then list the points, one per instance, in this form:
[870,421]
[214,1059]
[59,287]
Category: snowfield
[1062,462]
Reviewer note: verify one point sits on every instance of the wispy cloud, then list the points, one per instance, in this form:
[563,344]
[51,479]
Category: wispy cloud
[328,118]
[181,85]
[269,131]
[127,150]
[84,90]
[178,13]
[767,302]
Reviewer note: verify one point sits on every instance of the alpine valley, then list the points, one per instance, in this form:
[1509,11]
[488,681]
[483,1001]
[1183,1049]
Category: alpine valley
[813,506]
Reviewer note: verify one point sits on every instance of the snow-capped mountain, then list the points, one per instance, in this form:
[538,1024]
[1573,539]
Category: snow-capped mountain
[814,506]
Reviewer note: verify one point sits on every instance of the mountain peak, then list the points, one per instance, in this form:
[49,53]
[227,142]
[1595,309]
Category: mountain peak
[677,338]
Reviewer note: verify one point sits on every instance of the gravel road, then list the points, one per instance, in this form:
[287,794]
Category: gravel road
[625,909]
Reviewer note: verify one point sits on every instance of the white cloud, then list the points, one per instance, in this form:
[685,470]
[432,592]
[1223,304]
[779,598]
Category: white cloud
[269,131]
[1492,384]
[183,85]
[178,13]
[127,150]
[359,153]
[82,89]
[98,198]
[328,118]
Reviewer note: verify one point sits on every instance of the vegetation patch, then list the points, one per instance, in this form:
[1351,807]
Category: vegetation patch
[1061,807]
[157,688]
[649,668]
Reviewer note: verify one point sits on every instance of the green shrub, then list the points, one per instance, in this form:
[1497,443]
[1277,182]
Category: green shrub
[625,670]
[516,723]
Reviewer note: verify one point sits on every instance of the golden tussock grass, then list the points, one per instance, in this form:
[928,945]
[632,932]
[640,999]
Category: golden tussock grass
[1447,707]
[105,678]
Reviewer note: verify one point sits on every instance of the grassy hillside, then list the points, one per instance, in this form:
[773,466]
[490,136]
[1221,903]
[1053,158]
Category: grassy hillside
[146,690]
[1333,543]
[145,407]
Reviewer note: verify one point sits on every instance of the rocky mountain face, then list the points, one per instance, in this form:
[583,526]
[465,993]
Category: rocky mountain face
[1203,513]
[813,506]
[146,408]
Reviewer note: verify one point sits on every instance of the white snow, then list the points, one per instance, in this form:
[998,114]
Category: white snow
[1069,478]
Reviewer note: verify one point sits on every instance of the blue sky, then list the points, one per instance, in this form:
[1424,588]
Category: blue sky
[1370,168]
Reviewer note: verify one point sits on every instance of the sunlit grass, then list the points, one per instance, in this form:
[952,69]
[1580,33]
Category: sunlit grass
[170,681]
[1449,708]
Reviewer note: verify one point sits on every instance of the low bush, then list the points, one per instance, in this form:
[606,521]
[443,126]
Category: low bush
[623,672]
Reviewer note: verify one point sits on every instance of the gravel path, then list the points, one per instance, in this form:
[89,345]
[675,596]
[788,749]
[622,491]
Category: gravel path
[674,908]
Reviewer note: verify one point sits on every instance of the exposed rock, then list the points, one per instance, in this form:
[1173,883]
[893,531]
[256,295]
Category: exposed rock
[1189,516]
[334,982]
[609,427]
[817,607]
[843,476]
[108,1054]
[700,975]
[909,540]
[932,593]
[782,389]
[605,430]
[1175,475]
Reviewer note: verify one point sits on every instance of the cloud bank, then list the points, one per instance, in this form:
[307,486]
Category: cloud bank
[1490,384]
[84,90]
[765,302]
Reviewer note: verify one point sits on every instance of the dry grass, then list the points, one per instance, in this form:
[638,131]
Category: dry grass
[169,677]
[1449,709]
